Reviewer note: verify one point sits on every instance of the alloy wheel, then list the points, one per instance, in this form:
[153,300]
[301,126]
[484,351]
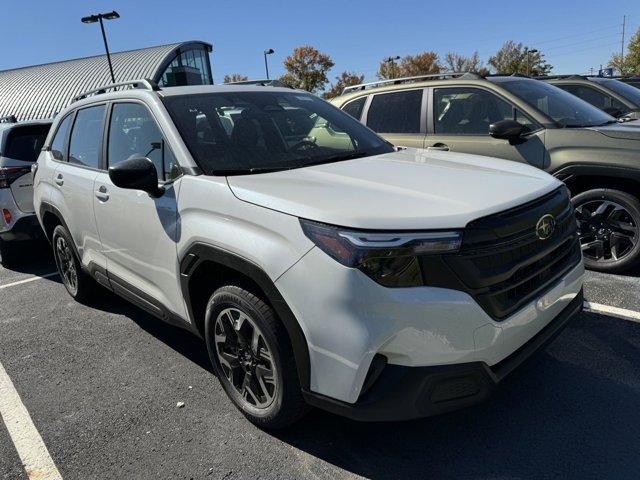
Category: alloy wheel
[66,264]
[245,358]
[608,232]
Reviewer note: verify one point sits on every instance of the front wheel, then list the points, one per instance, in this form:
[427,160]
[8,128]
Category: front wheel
[609,228]
[252,358]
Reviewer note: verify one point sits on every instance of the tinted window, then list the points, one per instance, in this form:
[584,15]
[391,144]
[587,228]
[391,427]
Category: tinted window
[25,143]
[561,106]
[397,112]
[134,133]
[86,136]
[594,97]
[468,111]
[252,132]
[57,145]
[355,108]
[629,92]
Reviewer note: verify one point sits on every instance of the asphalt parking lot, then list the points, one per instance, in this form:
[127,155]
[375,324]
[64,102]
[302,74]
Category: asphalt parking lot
[101,385]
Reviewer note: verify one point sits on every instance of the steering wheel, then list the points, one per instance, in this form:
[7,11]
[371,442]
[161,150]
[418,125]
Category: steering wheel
[304,145]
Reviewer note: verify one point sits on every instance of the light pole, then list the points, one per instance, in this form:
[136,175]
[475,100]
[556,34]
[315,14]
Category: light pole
[392,62]
[529,52]
[98,18]
[268,51]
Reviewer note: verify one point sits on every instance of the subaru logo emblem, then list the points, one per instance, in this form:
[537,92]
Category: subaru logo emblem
[545,227]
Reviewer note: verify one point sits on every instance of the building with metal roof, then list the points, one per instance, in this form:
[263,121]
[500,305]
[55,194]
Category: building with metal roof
[41,91]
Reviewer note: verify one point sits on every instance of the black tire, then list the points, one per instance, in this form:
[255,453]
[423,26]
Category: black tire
[287,404]
[609,226]
[84,287]
[7,254]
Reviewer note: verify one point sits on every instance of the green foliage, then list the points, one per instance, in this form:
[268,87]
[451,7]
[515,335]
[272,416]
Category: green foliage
[516,58]
[307,69]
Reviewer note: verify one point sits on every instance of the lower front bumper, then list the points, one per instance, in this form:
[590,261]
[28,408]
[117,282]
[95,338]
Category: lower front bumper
[403,393]
[25,228]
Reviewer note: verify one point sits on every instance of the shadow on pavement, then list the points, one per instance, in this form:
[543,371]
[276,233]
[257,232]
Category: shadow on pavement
[573,412]
[33,258]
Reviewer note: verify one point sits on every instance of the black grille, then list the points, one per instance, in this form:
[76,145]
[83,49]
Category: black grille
[503,264]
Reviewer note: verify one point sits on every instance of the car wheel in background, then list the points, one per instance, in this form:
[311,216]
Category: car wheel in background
[609,227]
[252,357]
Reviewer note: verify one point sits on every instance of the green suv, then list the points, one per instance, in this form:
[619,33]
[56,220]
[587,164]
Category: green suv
[613,96]
[524,120]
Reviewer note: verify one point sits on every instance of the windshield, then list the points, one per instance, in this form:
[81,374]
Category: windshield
[235,133]
[564,108]
[626,91]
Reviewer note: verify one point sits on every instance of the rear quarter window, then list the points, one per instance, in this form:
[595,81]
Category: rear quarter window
[25,143]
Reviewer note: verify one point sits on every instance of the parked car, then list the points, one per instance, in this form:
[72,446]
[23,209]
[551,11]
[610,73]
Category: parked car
[20,144]
[528,121]
[321,265]
[630,80]
[617,98]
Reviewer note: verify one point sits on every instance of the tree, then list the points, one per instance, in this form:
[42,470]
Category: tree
[424,63]
[630,64]
[307,69]
[235,77]
[345,79]
[459,63]
[516,58]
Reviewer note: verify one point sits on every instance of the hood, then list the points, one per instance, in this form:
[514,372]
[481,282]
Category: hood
[620,131]
[405,190]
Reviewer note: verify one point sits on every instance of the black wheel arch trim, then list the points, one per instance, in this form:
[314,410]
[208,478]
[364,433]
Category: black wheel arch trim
[46,207]
[569,172]
[200,252]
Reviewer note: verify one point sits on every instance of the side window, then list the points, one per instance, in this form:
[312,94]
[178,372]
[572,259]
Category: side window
[468,111]
[595,97]
[355,107]
[134,133]
[57,144]
[86,136]
[397,112]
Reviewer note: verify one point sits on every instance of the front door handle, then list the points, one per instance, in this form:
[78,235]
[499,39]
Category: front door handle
[59,180]
[102,194]
[440,147]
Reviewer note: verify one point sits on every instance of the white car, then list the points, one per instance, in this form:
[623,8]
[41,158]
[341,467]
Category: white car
[321,265]
[20,145]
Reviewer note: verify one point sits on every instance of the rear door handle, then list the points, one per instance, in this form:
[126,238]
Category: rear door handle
[59,180]
[102,194]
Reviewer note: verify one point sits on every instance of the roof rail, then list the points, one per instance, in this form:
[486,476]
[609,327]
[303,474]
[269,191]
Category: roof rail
[417,78]
[9,119]
[558,77]
[266,82]
[143,83]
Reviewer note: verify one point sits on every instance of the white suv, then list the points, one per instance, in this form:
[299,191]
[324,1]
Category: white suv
[20,145]
[321,265]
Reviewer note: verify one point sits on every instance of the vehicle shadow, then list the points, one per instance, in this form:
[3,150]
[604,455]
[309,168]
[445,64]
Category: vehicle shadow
[569,413]
[182,341]
[33,258]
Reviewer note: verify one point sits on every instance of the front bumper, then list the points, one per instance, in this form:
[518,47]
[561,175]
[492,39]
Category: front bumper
[402,393]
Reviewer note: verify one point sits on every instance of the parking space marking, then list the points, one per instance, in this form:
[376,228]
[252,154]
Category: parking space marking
[630,315]
[30,279]
[33,453]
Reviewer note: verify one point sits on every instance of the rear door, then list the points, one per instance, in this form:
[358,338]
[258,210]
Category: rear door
[74,179]
[459,120]
[21,149]
[398,116]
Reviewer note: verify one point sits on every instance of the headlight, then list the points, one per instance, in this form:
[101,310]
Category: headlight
[389,258]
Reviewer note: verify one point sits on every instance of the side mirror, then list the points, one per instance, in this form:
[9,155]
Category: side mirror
[136,174]
[507,130]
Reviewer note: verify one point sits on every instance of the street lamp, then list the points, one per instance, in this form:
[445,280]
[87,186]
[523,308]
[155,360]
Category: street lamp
[392,61]
[268,51]
[98,18]
[529,52]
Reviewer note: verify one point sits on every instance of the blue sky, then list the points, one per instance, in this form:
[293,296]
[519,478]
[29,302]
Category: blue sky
[576,35]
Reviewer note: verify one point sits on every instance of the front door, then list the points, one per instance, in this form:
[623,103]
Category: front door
[139,233]
[460,122]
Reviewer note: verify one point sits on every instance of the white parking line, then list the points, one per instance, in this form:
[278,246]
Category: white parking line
[33,453]
[630,315]
[30,279]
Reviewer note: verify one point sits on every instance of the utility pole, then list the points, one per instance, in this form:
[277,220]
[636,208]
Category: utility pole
[624,21]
